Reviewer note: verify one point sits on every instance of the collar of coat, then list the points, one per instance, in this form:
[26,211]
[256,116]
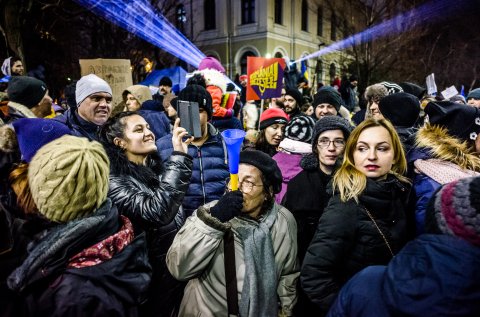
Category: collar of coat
[445,147]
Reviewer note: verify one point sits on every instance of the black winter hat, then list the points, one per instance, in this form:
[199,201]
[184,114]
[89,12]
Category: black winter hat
[165,81]
[413,89]
[401,109]
[331,123]
[197,93]
[460,120]
[25,90]
[329,95]
[266,165]
[295,94]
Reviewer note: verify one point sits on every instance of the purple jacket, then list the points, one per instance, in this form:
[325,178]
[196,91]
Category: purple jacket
[289,165]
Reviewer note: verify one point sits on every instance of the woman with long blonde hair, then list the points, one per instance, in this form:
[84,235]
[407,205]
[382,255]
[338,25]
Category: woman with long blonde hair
[364,223]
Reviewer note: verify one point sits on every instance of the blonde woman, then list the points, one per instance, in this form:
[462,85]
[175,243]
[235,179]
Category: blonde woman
[364,223]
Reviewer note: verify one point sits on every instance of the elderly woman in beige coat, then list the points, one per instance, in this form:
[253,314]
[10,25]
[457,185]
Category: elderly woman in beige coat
[264,248]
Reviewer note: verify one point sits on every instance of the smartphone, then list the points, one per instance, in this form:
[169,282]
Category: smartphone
[189,114]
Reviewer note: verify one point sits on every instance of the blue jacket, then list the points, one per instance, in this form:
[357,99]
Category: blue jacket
[210,169]
[434,275]
[78,126]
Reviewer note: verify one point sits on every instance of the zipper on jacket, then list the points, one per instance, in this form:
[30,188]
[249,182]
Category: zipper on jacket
[200,163]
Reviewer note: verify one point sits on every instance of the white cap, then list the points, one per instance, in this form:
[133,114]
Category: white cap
[90,84]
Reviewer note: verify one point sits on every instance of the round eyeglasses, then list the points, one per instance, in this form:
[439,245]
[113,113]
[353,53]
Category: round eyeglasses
[244,186]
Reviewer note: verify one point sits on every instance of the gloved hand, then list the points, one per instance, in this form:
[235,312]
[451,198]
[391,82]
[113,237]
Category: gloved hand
[229,206]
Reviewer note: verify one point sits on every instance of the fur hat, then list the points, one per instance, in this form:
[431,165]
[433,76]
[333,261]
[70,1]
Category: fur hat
[375,93]
[266,165]
[211,63]
[90,84]
[33,133]
[475,94]
[165,81]
[455,210]
[329,95]
[300,128]
[401,109]
[25,90]
[272,116]
[331,123]
[461,121]
[197,93]
[140,92]
[68,178]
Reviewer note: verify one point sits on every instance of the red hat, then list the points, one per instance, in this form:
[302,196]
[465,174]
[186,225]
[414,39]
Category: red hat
[273,116]
[243,77]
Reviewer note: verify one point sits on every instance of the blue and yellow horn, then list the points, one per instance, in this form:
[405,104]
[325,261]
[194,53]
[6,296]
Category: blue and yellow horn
[233,139]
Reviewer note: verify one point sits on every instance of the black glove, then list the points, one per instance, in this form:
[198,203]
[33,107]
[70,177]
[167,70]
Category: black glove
[229,206]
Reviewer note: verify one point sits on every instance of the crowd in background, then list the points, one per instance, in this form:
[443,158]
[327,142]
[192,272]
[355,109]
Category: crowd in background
[347,204]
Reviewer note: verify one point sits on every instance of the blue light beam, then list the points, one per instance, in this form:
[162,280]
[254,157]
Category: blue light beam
[398,24]
[139,17]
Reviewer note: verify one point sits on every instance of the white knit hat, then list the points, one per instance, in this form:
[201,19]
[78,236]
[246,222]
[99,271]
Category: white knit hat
[88,85]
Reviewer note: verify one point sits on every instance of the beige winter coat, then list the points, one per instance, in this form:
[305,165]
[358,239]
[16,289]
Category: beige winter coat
[197,255]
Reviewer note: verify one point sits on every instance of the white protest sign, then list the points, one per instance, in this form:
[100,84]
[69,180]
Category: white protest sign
[431,86]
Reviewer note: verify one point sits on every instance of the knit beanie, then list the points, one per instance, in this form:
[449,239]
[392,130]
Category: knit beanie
[461,121]
[475,94]
[455,210]
[197,93]
[329,95]
[331,123]
[413,89]
[401,109]
[68,178]
[272,116]
[295,94]
[165,81]
[33,133]
[266,165]
[392,88]
[25,90]
[140,92]
[211,63]
[300,128]
[88,85]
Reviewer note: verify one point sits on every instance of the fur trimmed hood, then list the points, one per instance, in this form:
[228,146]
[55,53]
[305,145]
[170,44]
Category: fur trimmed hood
[443,146]
[8,139]
[213,78]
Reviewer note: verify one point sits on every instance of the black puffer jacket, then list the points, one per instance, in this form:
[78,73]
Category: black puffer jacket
[151,196]
[347,240]
[115,287]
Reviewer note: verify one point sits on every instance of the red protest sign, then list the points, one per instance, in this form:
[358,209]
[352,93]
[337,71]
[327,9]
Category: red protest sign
[265,77]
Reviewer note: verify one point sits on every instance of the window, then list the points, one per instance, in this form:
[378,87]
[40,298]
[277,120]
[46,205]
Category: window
[181,17]
[243,61]
[320,21]
[248,11]
[333,34]
[209,14]
[278,11]
[304,15]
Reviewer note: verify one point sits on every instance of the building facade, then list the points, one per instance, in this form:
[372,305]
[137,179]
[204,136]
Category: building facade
[232,30]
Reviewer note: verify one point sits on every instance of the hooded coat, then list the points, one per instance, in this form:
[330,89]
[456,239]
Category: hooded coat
[437,159]
[347,240]
[49,287]
[434,275]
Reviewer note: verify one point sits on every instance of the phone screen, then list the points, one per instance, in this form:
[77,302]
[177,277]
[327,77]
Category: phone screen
[189,114]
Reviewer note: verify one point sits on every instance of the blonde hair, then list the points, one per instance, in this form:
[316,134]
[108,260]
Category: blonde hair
[19,182]
[349,181]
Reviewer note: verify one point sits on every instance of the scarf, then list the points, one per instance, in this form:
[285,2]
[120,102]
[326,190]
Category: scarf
[259,293]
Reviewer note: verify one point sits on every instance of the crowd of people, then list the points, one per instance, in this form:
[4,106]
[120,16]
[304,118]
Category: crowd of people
[347,204]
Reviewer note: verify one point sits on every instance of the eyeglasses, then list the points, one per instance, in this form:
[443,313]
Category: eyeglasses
[325,143]
[245,186]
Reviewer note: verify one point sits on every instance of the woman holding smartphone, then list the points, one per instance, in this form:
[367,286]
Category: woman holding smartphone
[364,223]
[149,193]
